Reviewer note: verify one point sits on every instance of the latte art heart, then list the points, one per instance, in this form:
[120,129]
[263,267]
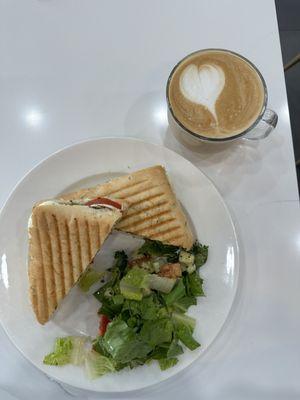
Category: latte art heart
[203,85]
[215,93]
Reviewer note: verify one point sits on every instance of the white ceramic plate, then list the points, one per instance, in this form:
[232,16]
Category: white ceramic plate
[85,164]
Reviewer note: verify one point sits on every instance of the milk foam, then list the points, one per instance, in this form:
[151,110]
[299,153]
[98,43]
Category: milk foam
[203,85]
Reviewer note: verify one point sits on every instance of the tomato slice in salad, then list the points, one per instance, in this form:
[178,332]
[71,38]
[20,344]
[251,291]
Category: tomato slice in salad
[104,321]
[104,201]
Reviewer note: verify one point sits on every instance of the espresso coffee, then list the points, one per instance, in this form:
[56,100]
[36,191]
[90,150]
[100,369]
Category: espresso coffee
[215,94]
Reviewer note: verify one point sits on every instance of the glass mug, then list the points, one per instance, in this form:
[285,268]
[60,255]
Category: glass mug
[264,124]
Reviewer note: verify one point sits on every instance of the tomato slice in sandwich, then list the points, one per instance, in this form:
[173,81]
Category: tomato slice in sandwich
[104,201]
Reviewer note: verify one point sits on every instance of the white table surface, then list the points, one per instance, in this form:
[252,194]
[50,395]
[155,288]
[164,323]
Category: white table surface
[72,70]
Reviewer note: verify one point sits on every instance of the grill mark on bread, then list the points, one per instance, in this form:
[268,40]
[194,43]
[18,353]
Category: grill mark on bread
[139,191]
[44,311]
[69,252]
[126,187]
[52,270]
[162,234]
[63,290]
[149,198]
[172,238]
[132,212]
[98,235]
[153,228]
[88,239]
[80,266]
[133,225]
[99,232]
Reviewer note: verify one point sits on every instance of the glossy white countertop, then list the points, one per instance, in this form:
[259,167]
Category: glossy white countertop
[72,70]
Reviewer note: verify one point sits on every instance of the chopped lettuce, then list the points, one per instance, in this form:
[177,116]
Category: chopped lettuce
[78,350]
[193,284]
[200,253]
[97,365]
[146,309]
[166,363]
[98,346]
[123,344]
[118,299]
[160,283]
[133,283]
[175,349]
[156,333]
[117,272]
[89,278]
[177,293]
[184,328]
[158,249]
[109,288]
[184,303]
[185,334]
[184,319]
[149,308]
[62,352]
[108,295]
[70,349]
[110,309]
[121,260]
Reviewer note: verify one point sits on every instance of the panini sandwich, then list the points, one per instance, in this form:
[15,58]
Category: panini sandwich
[64,238]
[153,213]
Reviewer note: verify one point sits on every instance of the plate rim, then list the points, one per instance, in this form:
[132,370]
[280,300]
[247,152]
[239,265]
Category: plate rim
[236,287]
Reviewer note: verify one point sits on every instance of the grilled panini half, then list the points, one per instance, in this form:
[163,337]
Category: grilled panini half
[63,241]
[154,212]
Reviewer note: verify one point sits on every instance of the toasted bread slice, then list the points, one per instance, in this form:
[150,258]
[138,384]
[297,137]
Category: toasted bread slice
[153,212]
[63,241]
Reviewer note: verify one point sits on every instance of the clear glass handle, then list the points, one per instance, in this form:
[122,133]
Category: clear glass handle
[264,127]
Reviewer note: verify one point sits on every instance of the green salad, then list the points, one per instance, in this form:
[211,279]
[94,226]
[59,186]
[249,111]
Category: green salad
[143,311]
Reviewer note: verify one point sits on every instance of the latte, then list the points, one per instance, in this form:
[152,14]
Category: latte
[215,94]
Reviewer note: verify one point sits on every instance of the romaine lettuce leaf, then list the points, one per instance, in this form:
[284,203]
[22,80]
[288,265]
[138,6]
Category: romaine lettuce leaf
[184,303]
[160,331]
[200,252]
[149,308]
[177,293]
[158,249]
[184,334]
[117,272]
[160,352]
[193,284]
[175,349]
[166,363]
[146,309]
[69,349]
[89,278]
[133,283]
[98,346]
[180,318]
[123,344]
[184,328]
[97,365]
[110,309]
[78,351]
[161,283]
